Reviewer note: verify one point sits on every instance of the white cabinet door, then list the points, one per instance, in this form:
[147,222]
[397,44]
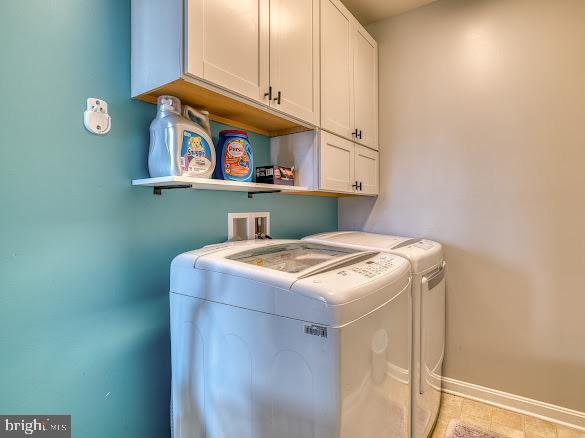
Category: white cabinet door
[337,29]
[366,170]
[294,57]
[336,163]
[365,62]
[227,44]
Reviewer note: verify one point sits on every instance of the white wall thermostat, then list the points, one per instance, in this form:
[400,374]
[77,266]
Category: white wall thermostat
[96,117]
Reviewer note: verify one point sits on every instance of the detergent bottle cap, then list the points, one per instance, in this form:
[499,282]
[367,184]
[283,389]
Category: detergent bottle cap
[233,132]
[169,104]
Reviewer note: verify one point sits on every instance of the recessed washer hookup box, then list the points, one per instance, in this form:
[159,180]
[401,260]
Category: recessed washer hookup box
[278,175]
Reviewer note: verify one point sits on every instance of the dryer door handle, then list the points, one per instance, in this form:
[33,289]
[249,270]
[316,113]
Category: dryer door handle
[436,276]
[432,309]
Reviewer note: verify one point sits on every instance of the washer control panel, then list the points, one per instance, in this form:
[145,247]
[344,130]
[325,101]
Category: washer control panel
[345,281]
[376,266]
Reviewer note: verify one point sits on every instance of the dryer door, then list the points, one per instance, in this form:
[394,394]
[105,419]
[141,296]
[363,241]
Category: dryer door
[432,332]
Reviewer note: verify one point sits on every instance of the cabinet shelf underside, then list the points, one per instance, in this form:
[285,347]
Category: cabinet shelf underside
[226,109]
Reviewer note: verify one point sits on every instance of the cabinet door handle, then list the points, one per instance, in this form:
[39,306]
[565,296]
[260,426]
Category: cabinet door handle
[269,93]
[357,185]
[360,135]
[355,134]
[360,186]
[277,98]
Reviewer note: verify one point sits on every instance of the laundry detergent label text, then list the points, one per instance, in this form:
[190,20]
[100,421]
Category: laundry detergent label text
[195,154]
[236,160]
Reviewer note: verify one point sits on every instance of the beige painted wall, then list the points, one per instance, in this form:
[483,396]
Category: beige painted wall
[482,116]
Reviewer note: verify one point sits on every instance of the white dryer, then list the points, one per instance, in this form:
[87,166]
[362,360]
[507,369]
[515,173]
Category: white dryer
[290,339]
[428,293]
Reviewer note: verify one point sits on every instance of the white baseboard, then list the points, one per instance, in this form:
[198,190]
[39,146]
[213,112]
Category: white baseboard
[517,403]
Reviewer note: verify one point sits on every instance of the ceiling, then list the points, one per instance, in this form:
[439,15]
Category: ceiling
[368,11]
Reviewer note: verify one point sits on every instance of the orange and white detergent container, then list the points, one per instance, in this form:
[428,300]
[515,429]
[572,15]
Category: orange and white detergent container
[235,157]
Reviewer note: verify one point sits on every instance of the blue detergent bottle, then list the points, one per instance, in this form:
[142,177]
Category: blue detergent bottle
[236,160]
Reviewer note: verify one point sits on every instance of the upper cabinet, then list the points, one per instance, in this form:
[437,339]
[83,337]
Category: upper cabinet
[227,44]
[336,69]
[270,66]
[253,64]
[294,58]
[266,50]
[337,164]
[347,167]
[365,88]
[366,170]
[349,76]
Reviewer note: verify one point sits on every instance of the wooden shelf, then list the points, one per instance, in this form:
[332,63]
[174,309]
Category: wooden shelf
[181,182]
[228,108]
[185,182]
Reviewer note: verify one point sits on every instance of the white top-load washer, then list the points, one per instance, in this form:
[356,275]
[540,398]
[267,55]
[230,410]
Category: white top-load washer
[283,339]
[428,293]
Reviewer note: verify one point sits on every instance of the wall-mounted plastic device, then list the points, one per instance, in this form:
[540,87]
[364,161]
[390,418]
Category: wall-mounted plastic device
[96,117]
[249,226]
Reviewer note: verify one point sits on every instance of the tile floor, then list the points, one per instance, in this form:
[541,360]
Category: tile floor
[498,420]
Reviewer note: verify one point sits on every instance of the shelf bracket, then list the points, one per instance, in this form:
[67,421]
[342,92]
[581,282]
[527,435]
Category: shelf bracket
[251,194]
[158,189]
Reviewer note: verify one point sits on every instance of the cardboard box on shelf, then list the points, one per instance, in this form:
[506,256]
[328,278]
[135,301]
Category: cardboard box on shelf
[278,175]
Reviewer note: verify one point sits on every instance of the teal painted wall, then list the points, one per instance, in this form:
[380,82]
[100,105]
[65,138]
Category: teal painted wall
[84,256]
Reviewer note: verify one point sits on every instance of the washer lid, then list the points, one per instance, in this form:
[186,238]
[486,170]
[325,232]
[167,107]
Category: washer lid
[357,238]
[423,254]
[352,290]
[279,262]
[323,284]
